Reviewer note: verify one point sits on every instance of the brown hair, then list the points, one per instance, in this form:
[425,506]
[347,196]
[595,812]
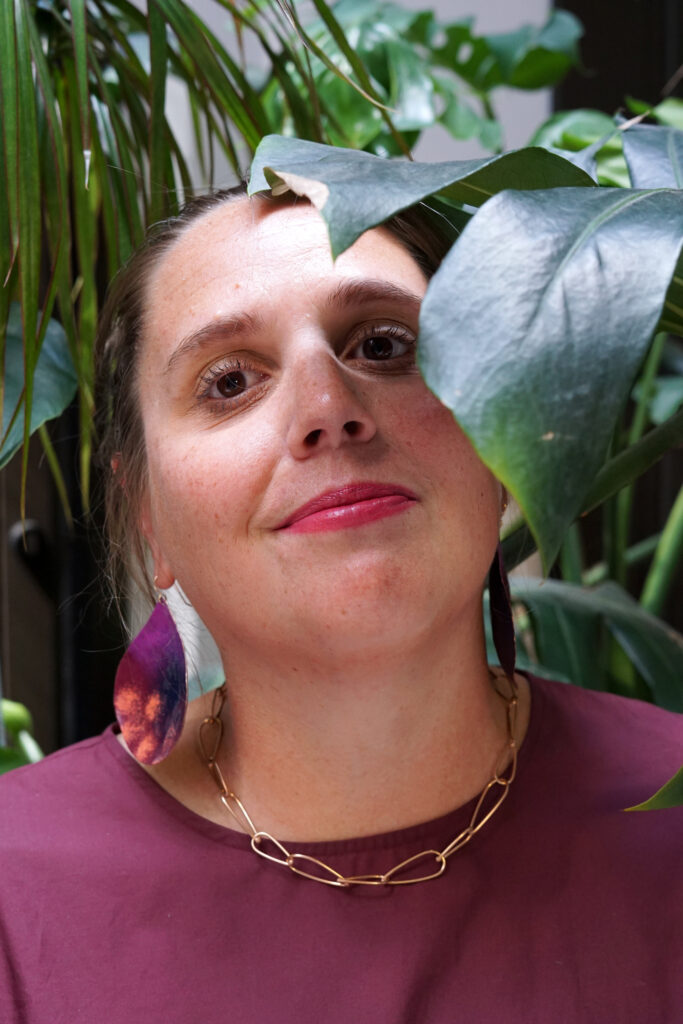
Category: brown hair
[427,236]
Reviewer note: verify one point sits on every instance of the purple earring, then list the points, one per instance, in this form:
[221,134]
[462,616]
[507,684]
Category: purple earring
[500,612]
[150,691]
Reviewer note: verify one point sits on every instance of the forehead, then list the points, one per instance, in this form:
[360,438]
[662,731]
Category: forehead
[250,252]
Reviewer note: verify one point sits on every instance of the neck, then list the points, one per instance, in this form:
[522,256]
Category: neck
[316,751]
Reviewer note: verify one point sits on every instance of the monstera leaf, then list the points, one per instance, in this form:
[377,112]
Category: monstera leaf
[355,191]
[534,327]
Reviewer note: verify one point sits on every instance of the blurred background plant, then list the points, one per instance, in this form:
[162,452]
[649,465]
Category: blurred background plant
[17,745]
[424,71]
[90,155]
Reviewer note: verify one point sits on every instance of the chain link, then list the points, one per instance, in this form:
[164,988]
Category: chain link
[270,848]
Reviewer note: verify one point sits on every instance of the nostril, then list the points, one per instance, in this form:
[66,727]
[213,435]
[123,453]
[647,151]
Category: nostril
[352,427]
[312,439]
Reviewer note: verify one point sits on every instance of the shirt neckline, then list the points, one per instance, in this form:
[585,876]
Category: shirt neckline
[445,827]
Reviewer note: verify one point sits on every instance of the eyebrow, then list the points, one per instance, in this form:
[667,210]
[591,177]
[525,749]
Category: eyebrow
[238,325]
[365,291]
[346,293]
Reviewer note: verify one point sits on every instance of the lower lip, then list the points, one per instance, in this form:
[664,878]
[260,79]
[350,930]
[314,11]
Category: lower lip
[340,517]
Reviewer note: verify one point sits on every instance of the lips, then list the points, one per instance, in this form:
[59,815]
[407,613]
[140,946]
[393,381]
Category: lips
[351,505]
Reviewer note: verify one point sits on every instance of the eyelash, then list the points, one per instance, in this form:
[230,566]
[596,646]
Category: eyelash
[219,371]
[393,332]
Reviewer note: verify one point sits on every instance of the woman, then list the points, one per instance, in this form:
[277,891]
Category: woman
[274,450]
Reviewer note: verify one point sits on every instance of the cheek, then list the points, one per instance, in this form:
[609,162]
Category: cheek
[206,487]
[430,430]
[452,469]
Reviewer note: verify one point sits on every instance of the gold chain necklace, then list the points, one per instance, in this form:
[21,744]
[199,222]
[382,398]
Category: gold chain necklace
[210,740]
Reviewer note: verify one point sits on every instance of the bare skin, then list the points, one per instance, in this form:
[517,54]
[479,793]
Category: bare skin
[360,700]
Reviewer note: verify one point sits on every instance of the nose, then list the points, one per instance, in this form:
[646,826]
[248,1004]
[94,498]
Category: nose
[328,409]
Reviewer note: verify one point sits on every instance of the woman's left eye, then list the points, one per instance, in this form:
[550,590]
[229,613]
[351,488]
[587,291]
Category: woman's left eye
[383,343]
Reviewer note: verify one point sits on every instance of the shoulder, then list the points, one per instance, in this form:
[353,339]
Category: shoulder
[68,765]
[607,712]
[59,794]
[626,746]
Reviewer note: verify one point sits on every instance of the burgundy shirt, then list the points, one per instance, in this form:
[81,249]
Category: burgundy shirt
[117,904]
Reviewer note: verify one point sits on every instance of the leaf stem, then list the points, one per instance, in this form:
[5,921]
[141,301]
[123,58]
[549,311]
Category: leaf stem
[636,553]
[624,500]
[57,476]
[571,555]
[665,561]
[490,113]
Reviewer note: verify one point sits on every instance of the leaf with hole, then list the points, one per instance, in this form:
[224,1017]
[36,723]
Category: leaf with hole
[533,58]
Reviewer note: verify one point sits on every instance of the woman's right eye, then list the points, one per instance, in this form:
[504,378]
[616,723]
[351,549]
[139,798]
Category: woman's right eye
[228,383]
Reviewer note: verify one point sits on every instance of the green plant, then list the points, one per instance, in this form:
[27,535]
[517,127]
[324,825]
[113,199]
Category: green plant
[423,71]
[18,725]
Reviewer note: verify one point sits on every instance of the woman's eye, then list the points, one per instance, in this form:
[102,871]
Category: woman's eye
[221,382]
[231,384]
[388,343]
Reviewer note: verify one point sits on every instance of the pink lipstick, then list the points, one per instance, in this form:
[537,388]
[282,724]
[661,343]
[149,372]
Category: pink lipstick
[352,505]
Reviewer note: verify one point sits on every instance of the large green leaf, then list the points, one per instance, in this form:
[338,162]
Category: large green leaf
[534,326]
[356,191]
[566,640]
[575,612]
[654,156]
[54,382]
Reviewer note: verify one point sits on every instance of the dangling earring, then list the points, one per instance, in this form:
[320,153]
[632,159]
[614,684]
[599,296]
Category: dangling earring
[500,612]
[150,691]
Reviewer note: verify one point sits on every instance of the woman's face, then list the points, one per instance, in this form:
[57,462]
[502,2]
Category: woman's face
[271,377]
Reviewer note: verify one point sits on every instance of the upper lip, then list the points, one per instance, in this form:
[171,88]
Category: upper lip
[347,494]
